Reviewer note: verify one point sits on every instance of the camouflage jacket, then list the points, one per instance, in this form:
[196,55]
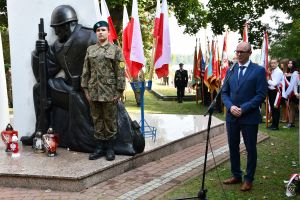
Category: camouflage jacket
[103,72]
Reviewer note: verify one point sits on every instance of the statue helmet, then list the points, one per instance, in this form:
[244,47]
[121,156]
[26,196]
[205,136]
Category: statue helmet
[63,14]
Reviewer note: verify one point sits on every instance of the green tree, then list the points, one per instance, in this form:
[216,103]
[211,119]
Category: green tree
[286,43]
[232,13]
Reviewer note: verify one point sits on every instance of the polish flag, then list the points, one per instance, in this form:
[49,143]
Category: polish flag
[264,53]
[132,41]
[126,38]
[162,56]
[156,20]
[225,63]
[245,32]
[106,17]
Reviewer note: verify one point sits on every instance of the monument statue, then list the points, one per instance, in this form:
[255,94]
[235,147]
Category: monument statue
[59,100]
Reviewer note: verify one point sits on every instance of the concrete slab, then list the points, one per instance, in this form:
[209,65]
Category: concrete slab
[72,171]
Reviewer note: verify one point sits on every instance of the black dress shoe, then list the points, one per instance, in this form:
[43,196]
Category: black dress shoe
[274,129]
[110,155]
[97,154]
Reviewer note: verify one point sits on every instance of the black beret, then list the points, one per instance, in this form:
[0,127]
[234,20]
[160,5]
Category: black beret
[100,24]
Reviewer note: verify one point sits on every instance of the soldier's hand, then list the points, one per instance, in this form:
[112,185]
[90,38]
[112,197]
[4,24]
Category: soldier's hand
[87,94]
[41,45]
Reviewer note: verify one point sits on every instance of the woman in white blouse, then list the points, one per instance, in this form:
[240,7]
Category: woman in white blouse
[291,93]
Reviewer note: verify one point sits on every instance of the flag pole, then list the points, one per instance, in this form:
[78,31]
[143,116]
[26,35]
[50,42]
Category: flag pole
[151,72]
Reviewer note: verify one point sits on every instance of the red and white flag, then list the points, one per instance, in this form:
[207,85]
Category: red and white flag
[156,20]
[106,17]
[132,41]
[245,32]
[162,56]
[225,63]
[264,52]
[126,41]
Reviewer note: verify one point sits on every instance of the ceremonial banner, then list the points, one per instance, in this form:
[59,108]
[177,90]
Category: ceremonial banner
[200,62]
[196,70]
[225,63]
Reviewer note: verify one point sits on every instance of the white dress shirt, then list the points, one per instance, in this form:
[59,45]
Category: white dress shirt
[276,78]
[244,70]
[293,85]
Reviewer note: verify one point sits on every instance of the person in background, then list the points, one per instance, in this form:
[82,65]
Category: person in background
[137,92]
[242,95]
[291,93]
[284,111]
[274,93]
[180,80]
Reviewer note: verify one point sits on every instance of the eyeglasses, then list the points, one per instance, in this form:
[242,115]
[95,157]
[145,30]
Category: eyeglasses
[241,52]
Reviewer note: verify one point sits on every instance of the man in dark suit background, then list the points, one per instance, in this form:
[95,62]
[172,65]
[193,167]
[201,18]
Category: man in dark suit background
[242,96]
[180,80]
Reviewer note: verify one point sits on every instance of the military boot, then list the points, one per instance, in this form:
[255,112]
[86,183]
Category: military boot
[99,152]
[110,153]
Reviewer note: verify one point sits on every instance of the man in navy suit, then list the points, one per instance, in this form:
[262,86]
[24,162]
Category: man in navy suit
[242,95]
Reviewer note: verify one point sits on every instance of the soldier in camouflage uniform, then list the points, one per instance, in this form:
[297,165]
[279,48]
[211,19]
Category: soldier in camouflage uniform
[103,81]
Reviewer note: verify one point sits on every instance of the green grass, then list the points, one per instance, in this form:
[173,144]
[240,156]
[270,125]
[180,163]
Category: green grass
[277,158]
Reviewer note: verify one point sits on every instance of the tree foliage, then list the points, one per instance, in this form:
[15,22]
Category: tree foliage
[286,42]
[232,13]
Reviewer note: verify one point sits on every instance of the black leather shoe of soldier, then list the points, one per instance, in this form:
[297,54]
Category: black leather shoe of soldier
[97,154]
[110,154]
[99,151]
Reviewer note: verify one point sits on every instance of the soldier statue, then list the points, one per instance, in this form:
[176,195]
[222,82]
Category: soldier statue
[68,112]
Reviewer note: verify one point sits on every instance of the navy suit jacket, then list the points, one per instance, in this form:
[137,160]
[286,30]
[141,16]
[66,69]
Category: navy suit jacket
[248,94]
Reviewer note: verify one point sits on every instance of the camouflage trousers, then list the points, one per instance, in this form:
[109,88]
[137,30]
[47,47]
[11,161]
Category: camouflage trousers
[104,115]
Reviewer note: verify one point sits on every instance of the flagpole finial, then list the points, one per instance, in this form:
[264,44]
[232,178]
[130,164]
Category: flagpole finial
[247,17]
[225,27]
[266,27]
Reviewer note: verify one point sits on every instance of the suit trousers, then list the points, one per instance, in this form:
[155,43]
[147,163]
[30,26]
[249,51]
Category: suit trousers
[180,93]
[249,133]
[275,111]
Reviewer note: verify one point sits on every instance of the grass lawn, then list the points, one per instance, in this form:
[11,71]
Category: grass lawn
[278,158]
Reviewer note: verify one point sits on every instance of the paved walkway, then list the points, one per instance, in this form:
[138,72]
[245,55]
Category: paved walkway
[145,182]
